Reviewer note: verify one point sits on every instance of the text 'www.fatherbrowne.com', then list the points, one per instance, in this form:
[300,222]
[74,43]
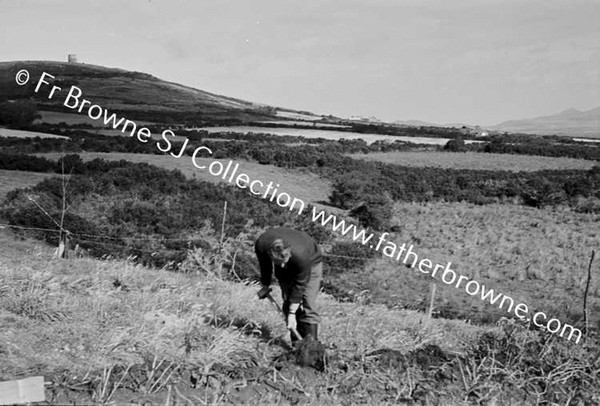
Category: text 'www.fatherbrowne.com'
[445,273]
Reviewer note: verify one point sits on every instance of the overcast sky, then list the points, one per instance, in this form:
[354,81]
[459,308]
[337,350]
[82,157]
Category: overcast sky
[470,61]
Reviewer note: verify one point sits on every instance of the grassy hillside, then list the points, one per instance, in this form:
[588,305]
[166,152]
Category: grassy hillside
[139,95]
[112,331]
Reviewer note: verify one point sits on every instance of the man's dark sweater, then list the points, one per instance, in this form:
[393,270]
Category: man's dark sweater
[305,254]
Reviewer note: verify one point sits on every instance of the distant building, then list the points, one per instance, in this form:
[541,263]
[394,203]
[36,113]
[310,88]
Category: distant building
[363,119]
[72,58]
[356,118]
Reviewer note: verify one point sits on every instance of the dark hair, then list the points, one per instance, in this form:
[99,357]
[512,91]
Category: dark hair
[278,246]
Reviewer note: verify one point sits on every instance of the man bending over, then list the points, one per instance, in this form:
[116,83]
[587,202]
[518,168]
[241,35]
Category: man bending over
[296,259]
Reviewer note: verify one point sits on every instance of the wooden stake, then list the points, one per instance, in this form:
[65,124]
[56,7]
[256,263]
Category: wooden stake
[430,311]
[222,239]
[63,236]
[585,295]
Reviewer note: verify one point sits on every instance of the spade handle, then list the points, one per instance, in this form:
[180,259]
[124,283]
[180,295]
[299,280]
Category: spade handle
[293,330]
[296,333]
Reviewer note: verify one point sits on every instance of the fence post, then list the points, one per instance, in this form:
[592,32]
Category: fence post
[585,295]
[222,239]
[431,301]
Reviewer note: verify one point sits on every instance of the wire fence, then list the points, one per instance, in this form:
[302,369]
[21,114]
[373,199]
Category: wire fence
[437,310]
[82,237]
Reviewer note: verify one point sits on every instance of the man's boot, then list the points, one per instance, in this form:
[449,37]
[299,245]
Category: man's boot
[309,330]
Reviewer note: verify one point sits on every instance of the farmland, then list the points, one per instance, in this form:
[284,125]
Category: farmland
[539,257]
[329,134]
[113,331]
[156,301]
[10,180]
[7,132]
[55,117]
[303,185]
[476,161]
[127,332]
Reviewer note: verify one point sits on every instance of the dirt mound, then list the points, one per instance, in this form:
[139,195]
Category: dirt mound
[311,353]
[428,356]
[306,353]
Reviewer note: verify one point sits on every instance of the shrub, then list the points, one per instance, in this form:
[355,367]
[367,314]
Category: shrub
[18,113]
[376,211]
[70,164]
[456,145]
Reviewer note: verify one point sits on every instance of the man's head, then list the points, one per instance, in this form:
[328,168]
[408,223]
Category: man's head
[280,252]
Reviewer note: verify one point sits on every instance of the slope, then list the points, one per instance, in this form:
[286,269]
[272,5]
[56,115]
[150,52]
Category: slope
[102,331]
[570,122]
[141,95]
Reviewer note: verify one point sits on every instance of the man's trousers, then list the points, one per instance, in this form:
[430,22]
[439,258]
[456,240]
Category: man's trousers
[307,313]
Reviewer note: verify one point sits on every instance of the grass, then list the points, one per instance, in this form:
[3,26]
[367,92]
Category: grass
[71,322]
[112,331]
[118,89]
[55,117]
[10,180]
[6,132]
[539,257]
[474,160]
[303,185]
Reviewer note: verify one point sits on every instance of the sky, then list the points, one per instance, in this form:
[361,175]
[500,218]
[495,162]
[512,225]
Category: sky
[460,61]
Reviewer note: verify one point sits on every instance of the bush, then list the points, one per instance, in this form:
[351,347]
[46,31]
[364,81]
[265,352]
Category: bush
[21,162]
[70,164]
[456,145]
[351,189]
[18,113]
[376,211]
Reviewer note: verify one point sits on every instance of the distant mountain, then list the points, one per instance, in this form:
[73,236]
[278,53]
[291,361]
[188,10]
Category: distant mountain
[569,122]
[138,95]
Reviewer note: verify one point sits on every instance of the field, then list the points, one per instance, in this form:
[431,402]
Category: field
[6,132]
[329,134]
[55,117]
[172,321]
[586,139]
[303,185]
[112,331]
[119,133]
[10,180]
[156,301]
[477,161]
[305,123]
[102,331]
[538,257]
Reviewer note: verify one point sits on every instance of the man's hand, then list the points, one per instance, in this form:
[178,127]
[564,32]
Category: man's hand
[263,292]
[291,321]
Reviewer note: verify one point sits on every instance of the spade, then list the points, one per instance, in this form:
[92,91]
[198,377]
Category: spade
[309,352]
